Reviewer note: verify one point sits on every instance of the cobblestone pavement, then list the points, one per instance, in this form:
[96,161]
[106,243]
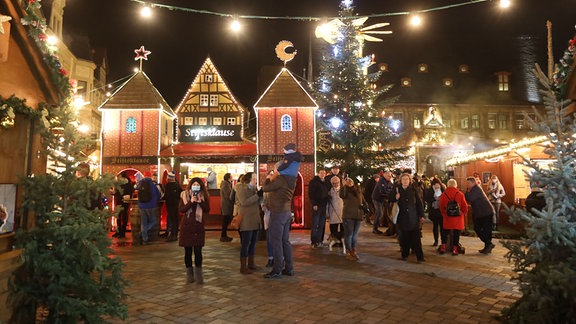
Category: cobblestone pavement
[380,288]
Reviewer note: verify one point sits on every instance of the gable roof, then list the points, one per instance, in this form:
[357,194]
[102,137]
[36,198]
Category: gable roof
[285,92]
[137,93]
[216,86]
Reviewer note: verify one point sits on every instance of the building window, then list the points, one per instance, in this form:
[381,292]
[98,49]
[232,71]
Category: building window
[203,100]
[447,120]
[286,123]
[491,121]
[202,121]
[217,121]
[463,68]
[166,127]
[397,122]
[502,121]
[383,67]
[188,121]
[231,121]
[503,81]
[406,82]
[464,120]
[475,121]
[208,78]
[422,68]
[418,119]
[131,125]
[519,121]
[447,83]
[214,100]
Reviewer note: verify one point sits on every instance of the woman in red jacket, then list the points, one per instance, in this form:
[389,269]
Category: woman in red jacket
[454,223]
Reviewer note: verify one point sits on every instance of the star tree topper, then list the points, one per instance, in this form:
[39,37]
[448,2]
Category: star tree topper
[141,54]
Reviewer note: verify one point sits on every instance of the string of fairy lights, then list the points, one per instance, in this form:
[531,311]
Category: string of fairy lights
[235,24]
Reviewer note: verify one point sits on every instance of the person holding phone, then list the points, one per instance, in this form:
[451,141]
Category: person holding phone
[195,205]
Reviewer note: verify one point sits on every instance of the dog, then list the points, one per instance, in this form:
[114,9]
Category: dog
[336,242]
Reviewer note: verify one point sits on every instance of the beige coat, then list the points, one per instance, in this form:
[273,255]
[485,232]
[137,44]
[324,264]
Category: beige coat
[249,207]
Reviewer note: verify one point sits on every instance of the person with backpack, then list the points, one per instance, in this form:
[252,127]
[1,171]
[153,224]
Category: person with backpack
[454,208]
[148,198]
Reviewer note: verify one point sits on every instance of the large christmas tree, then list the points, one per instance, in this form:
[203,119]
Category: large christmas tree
[351,103]
[545,259]
[68,273]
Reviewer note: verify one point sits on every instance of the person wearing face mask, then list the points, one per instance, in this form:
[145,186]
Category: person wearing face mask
[432,198]
[495,193]
[247,195]
[410,215]
[195,205]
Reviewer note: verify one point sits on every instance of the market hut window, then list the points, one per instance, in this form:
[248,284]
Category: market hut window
[217,121]
[202,121]
[188,121]
[203,100]
[131,125]
[286,123]
[208,78]
[231,121]
[214,100]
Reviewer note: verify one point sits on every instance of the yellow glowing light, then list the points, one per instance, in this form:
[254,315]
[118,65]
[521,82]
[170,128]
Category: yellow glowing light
[83,128]
[235,26]
[146,12]
[505,4]
[52,40]
[415,20]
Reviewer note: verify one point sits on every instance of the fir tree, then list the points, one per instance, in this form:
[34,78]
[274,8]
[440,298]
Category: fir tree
[351,105]
[68,273]
[545,259]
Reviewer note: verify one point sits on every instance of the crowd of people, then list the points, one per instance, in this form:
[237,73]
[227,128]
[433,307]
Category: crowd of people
[397,201]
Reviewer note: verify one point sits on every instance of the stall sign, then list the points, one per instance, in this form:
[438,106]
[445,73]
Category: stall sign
[130,160]
[210,133]
[276,158]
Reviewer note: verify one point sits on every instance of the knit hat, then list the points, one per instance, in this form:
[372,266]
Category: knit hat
[290,148]
[171,175]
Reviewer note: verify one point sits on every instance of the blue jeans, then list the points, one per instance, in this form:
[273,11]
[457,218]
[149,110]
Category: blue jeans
[280,238]
[147,221]
[248,241]
[318,225]
[351,229]
[269,245]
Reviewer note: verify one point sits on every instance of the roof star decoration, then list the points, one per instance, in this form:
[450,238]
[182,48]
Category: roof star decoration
[141,54]
[2,20]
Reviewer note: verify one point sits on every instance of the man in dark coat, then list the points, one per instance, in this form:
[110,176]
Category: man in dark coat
[126,189]
[482,212]
[172,197]
[226,205]
[318,194]
[380,197]
[368,189]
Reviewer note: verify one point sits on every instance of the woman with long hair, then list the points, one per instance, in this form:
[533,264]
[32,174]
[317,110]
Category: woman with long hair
[249,209]
[352,216]
[195,205]
[495,193]
[411,214]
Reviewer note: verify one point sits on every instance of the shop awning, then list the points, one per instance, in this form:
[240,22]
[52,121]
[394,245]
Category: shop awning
[205,150]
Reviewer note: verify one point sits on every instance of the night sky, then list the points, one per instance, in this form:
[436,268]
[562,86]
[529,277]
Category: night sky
[181,41]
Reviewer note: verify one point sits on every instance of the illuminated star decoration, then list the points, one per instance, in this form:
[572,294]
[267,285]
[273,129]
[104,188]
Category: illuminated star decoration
[2,20]
[141,54]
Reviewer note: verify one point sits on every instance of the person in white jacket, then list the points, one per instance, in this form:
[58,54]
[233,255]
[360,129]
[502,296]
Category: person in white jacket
[495,193]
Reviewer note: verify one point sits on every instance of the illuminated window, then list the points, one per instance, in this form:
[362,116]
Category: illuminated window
[217,121]
[131,125]
[463,68]
[203,100]
[418,118]
[475,121]
[188,121]
[422,68]
[286,123]
[406,82]
[491,121]
[447,120]
[213,100]
[231,121]
[208,78]
[502,121]
[464,120]
[503,81]
[397,121]
[202,121]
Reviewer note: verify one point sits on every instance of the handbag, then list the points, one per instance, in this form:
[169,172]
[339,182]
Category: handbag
[236,221]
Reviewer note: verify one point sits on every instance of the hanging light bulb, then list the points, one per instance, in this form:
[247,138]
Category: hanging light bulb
[505,4]
[415,20]
[235,25]
[146,11]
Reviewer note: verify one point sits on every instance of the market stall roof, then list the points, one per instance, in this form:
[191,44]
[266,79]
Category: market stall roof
[244,148]
[285,92]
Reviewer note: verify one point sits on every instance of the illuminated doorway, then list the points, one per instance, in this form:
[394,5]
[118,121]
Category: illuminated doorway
[298,203]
